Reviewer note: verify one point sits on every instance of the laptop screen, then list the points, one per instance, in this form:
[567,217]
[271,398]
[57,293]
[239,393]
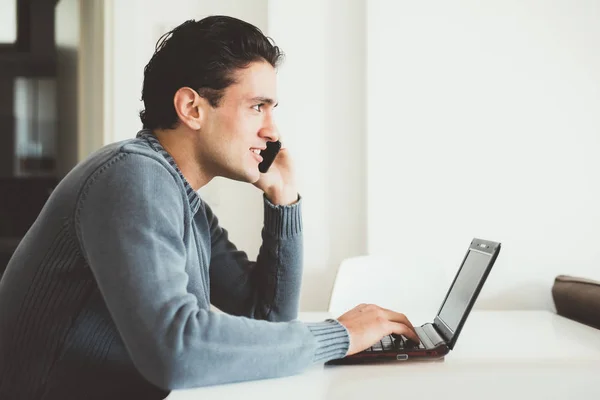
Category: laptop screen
[464,288]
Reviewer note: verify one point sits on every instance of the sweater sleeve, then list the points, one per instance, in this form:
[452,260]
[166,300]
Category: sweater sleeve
[130,223]
[270,287]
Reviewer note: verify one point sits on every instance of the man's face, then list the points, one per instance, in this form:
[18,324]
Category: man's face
[241,125]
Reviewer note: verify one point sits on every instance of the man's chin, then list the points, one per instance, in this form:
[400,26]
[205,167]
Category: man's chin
[247,176]
[255,177]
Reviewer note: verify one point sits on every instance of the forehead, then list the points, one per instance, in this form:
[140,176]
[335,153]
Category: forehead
[258,79]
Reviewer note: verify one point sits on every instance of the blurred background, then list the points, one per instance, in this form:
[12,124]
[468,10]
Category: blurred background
[414,126]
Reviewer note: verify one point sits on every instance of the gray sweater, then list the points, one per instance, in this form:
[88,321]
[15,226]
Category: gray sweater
[108,295]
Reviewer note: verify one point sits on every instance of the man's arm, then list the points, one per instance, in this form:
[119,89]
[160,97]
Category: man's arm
[130,223]
[270,287]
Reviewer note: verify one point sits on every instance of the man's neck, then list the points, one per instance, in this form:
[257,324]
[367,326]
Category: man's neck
[180,144]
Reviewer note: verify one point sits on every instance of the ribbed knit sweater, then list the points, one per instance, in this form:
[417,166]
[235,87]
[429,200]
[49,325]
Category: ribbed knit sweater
[109,293]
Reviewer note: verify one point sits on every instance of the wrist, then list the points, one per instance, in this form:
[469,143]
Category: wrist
[282,197]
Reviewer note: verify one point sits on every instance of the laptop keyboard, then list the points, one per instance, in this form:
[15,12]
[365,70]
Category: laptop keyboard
[390,342]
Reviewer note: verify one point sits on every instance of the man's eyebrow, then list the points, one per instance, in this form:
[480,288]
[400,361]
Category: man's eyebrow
[266,100]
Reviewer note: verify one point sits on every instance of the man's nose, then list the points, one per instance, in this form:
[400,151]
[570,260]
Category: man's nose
[269,132]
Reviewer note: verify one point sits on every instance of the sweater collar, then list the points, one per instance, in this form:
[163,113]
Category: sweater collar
[193,197]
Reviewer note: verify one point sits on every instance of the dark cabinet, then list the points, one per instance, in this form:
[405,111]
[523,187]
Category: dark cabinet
[28,122]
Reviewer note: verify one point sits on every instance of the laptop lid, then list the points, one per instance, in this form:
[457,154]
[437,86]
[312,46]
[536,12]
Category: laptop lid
[465,288]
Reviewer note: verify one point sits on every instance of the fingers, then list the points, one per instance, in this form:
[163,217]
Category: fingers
[387,314]
[367,323]
[401,329]
[398,317]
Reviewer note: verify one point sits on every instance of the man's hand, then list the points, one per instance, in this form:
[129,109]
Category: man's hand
[279,182]
[368,323]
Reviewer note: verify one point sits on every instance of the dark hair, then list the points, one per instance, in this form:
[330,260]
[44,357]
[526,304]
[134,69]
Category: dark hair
[202,55]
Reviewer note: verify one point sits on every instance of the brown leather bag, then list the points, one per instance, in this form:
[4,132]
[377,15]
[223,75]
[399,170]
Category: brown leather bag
[577,299]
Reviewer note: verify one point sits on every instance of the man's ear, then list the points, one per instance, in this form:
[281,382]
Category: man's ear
[189,106]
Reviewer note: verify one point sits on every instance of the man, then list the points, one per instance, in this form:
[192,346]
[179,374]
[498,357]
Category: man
[109,293]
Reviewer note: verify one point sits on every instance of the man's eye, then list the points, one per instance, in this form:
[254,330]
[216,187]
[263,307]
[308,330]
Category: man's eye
[258,107]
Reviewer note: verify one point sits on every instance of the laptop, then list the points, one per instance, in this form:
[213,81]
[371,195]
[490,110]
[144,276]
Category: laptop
[440,336]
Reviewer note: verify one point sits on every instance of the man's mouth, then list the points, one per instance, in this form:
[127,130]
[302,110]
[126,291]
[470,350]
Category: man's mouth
[256,152]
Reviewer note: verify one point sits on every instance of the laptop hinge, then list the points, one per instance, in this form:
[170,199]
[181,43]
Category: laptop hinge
[433,334]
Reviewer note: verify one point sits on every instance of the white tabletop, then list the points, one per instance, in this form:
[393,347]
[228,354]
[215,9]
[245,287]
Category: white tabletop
[499,355]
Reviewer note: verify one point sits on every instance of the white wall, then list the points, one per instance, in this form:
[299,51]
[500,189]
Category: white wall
[480,123]
[95,94]
[483,121]
[68,42]
[322,118]
[8,21]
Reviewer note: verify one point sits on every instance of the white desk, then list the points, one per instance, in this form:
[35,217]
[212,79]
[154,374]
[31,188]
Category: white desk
[499,355]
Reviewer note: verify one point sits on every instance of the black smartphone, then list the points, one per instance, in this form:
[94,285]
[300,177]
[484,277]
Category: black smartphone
[269,155]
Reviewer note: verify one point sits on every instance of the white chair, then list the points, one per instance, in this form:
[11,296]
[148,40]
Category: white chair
[416,292]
